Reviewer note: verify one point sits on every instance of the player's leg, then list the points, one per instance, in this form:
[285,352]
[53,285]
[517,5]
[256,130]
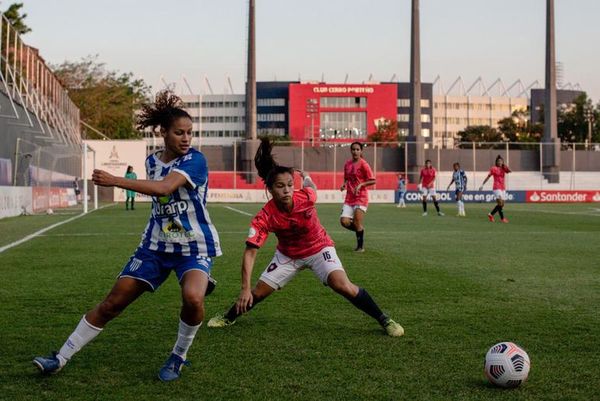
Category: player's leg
[346,217]
[278,273]
[126,202]
[359,215]
[328,268]
[124,292]
[501,209]
[402,201]
[497,207]
[424,201]
[434,197]
[193,285]
[133,202]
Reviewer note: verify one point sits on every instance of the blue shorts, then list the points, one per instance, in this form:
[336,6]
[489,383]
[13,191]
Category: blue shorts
[154,267]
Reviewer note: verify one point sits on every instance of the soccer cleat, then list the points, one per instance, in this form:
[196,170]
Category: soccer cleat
[220,321]
[441,214]
[424,214]
[504,220]
[359,250]
[393,329]
[171,370]
[398,205]
[490,218]
[49,364]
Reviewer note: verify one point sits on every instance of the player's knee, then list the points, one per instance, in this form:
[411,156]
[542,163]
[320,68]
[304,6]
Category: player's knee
[345,222]
[110,308]
[193,300]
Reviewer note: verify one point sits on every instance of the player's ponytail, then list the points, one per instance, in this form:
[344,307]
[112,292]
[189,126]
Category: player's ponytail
[267,167]
[162,113]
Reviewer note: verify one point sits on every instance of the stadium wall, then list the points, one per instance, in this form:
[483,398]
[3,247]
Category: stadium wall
[391,158]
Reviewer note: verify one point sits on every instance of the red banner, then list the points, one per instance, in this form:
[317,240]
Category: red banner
[562,196]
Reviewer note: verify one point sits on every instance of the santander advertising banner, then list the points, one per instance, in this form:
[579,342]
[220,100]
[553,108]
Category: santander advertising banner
[562,196]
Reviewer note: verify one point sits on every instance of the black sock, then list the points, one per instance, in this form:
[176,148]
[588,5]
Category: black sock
[132,200]
[365,303]
[437,206]
[501,212]
[360,236]
[232,314]
[425,206]
[495,210]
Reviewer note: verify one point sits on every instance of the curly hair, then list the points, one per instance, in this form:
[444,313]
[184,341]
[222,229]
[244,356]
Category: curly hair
[267,167]
[167,107]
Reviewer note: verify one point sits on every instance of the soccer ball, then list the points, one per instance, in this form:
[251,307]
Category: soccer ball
[507,365]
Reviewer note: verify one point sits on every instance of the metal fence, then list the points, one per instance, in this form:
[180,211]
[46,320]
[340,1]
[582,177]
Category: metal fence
[579,164]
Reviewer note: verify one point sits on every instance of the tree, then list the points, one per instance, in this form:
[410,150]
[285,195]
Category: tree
[106,99]
[13,14]
[573,124]
[518,128]
[386,131]
[480,133]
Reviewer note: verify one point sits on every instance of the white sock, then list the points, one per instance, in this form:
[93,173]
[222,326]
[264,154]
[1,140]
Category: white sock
[462,206]
[185,337]
[83,334]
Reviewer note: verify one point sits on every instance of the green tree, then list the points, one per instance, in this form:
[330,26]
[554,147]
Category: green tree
[573,124]
[107,99]
[16,19]
[518,128]
[480,133]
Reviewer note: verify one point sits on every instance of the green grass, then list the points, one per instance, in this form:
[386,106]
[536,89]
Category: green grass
[457,286]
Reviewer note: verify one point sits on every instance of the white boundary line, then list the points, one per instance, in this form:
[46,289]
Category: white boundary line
[43,230]
[238,211]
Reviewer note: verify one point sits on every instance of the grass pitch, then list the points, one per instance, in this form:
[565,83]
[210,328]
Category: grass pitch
[457,285]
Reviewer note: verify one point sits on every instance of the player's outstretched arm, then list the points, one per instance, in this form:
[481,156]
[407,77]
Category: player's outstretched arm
[451,182]
[306,180]
[165,187]
[484,181]
[245,300]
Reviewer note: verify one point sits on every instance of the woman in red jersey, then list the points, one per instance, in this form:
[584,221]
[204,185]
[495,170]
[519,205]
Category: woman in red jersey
[498,171]
[302,243]
[357,177]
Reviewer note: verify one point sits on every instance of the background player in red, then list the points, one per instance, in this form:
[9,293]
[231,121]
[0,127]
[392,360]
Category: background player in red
[498,171]
[357,177]
[427,186]
[302,243]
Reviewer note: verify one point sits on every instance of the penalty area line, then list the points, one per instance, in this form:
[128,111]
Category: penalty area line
[43,230]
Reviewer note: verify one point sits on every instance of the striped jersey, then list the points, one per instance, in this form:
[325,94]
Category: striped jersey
[460,180]
[180,222]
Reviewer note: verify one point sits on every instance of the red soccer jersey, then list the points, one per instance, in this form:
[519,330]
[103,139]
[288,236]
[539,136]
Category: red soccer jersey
[299,233]
[354,174]
[498,173]
[428,177]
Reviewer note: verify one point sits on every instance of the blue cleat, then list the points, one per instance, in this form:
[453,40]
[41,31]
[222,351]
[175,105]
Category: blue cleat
[48,365]
[171,370]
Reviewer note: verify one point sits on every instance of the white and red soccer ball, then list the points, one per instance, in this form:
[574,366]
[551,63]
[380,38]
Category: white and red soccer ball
[507,365]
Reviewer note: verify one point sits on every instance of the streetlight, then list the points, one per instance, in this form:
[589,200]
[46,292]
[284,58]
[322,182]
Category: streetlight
[588,112]
[312,108]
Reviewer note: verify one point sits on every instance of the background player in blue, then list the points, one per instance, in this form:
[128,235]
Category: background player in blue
[459,178]
[401,191]
[179,237]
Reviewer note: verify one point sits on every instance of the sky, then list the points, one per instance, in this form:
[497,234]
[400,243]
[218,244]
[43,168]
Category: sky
[315,39]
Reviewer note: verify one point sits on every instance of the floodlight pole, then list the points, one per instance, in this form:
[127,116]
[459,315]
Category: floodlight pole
[85,180]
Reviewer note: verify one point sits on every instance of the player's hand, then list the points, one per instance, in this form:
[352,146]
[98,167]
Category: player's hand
[103,178]
[343,187]
[244,301]
[357,189]
[481,188]
[302,173]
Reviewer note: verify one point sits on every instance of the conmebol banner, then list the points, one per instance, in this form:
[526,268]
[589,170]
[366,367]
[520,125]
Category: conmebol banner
[469,196]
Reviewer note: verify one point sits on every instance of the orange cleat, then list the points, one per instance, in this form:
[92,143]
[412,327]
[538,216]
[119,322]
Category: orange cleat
[490,218]
[504,220]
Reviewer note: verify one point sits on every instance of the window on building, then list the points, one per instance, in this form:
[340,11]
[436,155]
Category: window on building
[403,118]
[403,102]
[343,125]
[344,102]
[273,102]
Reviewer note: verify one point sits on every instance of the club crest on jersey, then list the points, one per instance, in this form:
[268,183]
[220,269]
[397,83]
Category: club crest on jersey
[251,232]
[170,209]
